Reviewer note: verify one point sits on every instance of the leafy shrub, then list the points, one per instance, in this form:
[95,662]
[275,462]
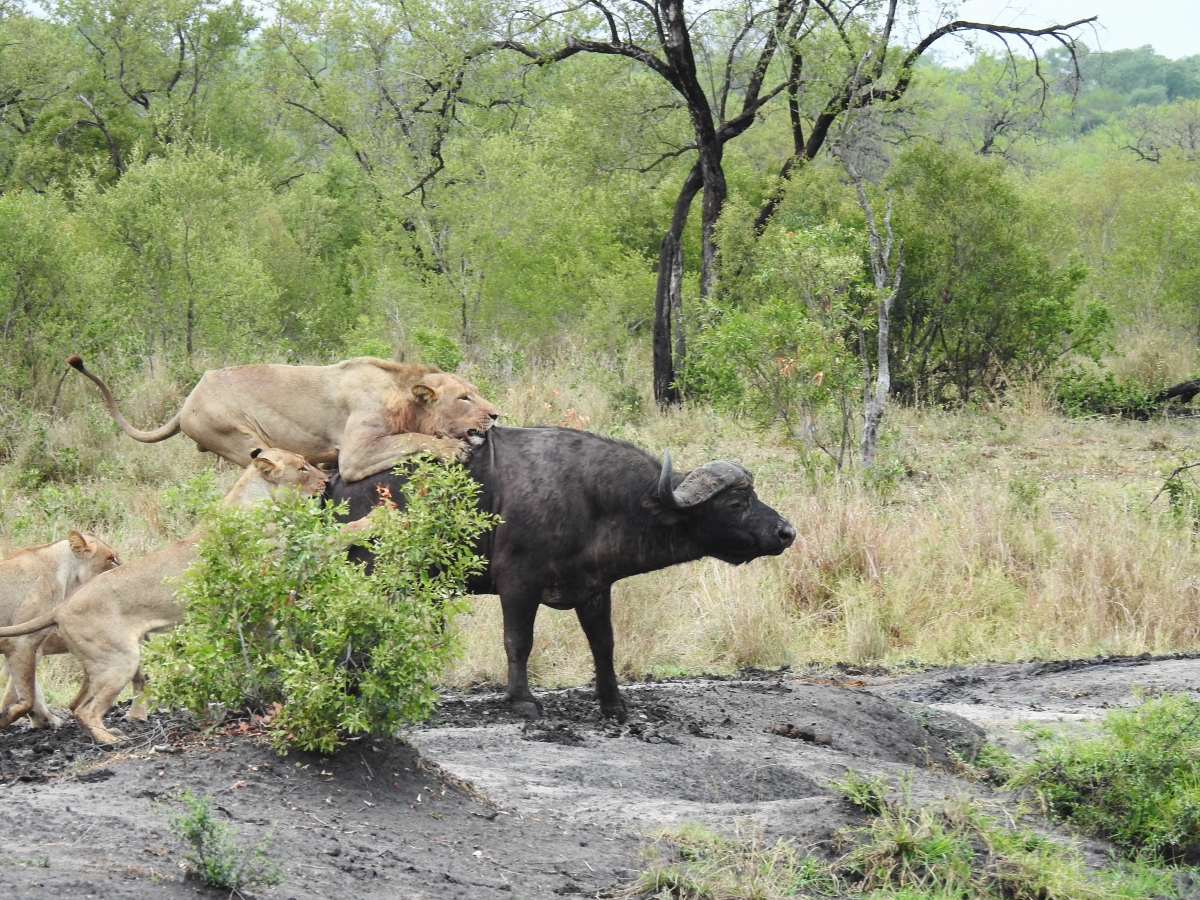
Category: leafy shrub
[1081,393]
[275,614]
[1136,783]
[214,854]
[437,349]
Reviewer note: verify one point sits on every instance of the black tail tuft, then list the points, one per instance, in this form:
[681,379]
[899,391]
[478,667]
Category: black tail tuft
[75,362]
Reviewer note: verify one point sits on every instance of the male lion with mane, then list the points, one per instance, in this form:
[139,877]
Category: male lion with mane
[363,414]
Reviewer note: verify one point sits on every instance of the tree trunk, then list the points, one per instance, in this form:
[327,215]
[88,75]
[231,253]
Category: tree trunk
[668,296]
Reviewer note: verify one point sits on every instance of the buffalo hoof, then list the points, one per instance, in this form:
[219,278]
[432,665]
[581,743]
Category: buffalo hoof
[614,711]
[529,709]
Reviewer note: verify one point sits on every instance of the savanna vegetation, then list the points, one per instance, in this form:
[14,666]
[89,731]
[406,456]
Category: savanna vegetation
[200,183]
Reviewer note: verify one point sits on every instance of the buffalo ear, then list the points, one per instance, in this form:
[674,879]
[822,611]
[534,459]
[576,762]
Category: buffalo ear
[663,513]
[79,544]
[425,394]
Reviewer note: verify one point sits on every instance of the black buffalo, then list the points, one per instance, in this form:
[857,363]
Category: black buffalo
[579,512]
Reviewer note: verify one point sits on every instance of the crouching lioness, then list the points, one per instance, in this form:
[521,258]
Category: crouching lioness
[365,414]
[104,622]
[32,582]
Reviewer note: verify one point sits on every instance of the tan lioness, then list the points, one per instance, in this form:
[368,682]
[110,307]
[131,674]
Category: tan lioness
[104,622]
[32,582]
[363,414]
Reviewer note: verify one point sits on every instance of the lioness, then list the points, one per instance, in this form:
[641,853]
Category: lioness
[32,582]
[365,414]
[104,622]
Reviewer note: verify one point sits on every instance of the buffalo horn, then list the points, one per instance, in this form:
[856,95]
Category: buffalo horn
[700,484]
[665,495]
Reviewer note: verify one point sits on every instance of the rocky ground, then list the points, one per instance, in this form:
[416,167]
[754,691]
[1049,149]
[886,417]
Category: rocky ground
[483,804]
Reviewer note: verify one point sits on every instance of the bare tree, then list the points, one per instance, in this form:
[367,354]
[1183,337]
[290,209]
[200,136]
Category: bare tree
[771,53]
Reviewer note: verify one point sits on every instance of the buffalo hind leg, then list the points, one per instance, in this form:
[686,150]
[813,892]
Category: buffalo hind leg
[595,617]
[520,610]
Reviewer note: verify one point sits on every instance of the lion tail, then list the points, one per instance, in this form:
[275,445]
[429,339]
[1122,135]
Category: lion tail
[146,437]
[43,621]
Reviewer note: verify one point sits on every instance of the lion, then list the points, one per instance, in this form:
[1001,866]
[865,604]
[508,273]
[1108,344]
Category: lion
[363,414]
[32,582]
[105,621]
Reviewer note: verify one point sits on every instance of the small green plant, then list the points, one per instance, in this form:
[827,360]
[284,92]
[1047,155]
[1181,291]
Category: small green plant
[995,763]
[867,793]
[1137,782]
[276,619]
[214,854]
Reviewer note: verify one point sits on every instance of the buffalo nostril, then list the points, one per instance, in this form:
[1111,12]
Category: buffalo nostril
[787,532]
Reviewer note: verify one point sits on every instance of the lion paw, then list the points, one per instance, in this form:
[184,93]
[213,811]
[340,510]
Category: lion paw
[451,449]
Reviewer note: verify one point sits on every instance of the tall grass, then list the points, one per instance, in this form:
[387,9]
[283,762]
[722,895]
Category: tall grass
[997,533]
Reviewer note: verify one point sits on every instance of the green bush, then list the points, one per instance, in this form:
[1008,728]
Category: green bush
[275,614]
[437,349]
[214,854]
[1137,782]
[1081,393]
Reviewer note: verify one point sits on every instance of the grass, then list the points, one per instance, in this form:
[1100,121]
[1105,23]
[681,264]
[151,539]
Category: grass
[998,533]
[1136,781]
[948,850]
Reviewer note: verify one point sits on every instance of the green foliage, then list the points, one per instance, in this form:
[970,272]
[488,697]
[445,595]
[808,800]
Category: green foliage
[1137,782]
[1081,392]
[784,345]
[981,300]
[343,652]
[213,851]
[437,349]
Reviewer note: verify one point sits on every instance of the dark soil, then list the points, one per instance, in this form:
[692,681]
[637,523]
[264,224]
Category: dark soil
[483,803]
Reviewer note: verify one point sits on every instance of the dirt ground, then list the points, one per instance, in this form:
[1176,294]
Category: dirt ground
[483,804]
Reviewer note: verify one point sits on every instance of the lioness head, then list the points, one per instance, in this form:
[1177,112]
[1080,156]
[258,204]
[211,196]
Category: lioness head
[284,469]
[93,554]
[453,407]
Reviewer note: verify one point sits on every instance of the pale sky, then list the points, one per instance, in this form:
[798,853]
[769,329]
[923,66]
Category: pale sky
[1172,27]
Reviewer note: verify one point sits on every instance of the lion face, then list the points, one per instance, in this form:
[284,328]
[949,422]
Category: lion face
[284,469]
[454,407]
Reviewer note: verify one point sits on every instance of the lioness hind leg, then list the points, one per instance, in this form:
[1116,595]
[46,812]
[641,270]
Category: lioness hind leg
[105,680]
[138,709]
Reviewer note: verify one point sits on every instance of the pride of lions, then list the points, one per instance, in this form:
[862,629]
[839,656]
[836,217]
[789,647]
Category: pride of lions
[280,422]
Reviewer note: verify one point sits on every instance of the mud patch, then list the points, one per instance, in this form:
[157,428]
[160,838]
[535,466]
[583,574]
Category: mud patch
[485,804]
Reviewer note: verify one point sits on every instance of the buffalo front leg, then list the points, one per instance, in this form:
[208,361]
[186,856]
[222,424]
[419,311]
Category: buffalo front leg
[595,617]
[520,611]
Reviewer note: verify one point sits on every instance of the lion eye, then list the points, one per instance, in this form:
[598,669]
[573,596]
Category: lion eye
[465,397]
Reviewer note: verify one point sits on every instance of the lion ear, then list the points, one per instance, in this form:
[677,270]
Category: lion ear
[265,466]
[425,394]
[254,453]
[79,544]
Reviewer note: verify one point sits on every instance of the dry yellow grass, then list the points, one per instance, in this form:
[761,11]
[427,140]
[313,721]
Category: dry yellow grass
[1007,533]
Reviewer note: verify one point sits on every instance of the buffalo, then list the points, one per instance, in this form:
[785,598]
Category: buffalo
[579,512]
